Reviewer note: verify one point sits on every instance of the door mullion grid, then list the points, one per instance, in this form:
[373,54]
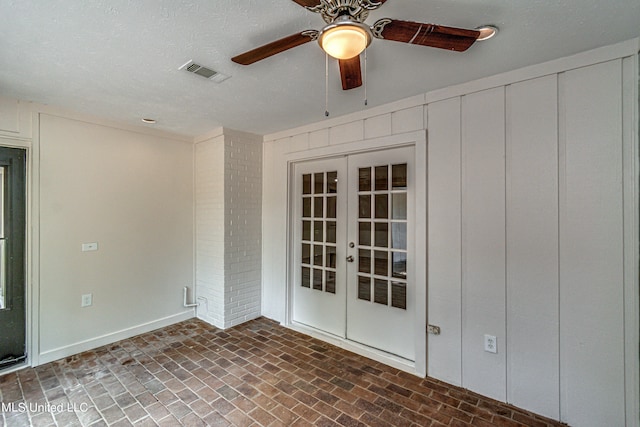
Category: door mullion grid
[379,190]
[321,202]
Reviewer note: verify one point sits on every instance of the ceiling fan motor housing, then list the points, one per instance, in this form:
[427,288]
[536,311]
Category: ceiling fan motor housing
[358,10]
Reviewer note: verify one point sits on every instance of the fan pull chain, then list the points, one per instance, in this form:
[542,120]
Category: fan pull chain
[366,102]
[326,85]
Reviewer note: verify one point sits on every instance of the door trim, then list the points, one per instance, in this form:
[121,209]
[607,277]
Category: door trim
[419,141]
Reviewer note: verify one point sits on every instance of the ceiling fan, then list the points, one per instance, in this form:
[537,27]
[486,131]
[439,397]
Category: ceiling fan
[346,35]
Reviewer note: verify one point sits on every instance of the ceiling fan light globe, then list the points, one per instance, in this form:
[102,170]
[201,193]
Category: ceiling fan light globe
[345,40]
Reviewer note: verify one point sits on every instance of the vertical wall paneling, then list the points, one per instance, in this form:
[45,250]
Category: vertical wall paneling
[630,170]
[483,241]
[9,118]
[378,126]
[532,246]
[15,118]
[348,132]
[444,310]
[504,203]
[274,229]
[591,247]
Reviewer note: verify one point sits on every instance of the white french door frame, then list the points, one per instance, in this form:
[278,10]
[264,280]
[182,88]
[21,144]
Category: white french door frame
[419,141]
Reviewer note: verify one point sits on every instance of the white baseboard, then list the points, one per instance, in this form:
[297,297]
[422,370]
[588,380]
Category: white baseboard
[79,347]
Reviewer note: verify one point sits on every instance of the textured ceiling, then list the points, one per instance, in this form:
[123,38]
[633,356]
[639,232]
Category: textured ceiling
[119,59]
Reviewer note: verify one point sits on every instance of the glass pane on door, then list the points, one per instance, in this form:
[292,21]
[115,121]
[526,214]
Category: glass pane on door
[318,224]
[382,271]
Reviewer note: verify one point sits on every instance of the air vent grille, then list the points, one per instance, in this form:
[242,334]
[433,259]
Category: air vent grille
[203,71]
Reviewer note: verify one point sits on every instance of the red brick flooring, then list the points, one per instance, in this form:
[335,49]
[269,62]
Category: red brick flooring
[256,374]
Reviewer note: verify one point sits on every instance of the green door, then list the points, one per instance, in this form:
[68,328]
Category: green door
[12,256]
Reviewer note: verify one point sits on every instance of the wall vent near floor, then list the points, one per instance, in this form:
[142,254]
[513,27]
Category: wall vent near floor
[203,71]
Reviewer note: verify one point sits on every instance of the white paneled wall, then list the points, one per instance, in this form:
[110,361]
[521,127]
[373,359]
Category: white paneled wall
[483,241]
[631,185]
[541,243]
[274,230]
[445,251]
[532,224]
[532,245]
[228,181]
[15,119]
[591,246]
[376,127]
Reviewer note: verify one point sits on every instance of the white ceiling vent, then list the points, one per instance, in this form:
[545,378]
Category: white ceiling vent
[203,71]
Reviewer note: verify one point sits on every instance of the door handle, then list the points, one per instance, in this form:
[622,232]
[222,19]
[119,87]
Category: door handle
[350,258]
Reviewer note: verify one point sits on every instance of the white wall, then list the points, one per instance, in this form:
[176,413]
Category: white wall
[483,241]
[591,245]
[130,192]
[228,188]
[532,263]
[529,233]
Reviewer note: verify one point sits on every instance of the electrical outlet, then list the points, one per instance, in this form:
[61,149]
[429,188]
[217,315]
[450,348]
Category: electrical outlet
[87,300]
[490,344]
[433,329]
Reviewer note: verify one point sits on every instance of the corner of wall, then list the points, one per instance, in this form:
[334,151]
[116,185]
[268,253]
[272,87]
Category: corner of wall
[228,226]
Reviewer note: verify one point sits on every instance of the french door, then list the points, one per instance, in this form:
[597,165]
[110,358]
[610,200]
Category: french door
[12,256]
[353,250]
[319,229]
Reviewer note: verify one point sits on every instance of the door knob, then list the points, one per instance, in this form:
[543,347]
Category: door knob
[350,258]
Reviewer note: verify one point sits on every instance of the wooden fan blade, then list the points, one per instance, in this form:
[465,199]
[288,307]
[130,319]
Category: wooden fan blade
[275,47]
[350,73]
[450,38]
[308,3]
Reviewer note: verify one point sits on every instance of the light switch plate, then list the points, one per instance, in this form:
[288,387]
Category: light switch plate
[93,246]
[87,300]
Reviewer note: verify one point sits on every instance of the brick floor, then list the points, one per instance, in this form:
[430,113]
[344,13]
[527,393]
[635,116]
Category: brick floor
[255,374]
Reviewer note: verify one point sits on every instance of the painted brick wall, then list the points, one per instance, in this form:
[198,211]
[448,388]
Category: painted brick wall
[243,225]
[228,170]
[210,236]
